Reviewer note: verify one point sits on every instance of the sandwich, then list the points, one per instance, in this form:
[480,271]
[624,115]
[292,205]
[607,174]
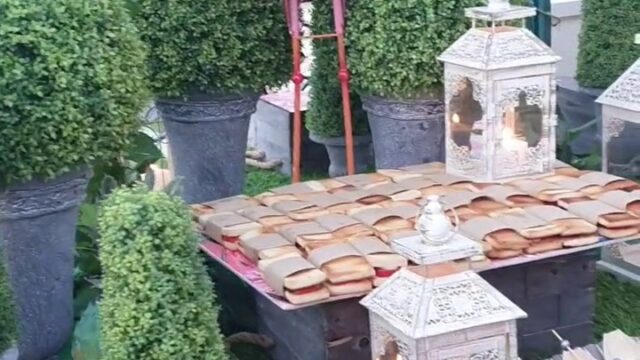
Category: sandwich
[363,181]
[571,224]
[294,232]
[544,190]
[226,228]
[612,222]
[510,196]
[266,246]
[290,192]
[503,239]
[609,182]
[299,210]
[574,184]
[296,279]
[380,256]
[331,202]
[230,204]
[527,225]
[385,222]
[267,217]
[347,271]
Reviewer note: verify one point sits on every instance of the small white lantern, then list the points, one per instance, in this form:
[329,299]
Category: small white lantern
[621,111]
[500,98]
[453,317]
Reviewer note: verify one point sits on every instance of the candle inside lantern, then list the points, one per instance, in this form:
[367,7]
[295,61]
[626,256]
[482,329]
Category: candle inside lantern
[512,144]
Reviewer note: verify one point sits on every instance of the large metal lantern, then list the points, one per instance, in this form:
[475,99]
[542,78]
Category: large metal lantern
[621,123]
[452,317]
[500,98]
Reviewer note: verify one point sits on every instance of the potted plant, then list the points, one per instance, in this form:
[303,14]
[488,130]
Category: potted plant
[158,302]
[393,50]
[72,82]
[606,50]
[324,118]
[209,62]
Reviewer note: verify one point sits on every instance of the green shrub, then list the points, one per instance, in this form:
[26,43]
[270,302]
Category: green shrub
[71,84]
[394,45]
[157,299]
[7,316]
[215,46]
[607,46]
[324,116]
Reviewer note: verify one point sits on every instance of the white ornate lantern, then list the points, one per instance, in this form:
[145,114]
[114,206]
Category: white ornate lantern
[453,317]
[621,116]
[500,98]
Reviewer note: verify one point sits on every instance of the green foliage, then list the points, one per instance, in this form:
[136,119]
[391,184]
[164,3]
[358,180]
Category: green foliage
[157,299]
[108,175]
[607,46]
[7,316]
[394,45]
[324,116]
[214,46]
[86,335]
[71,84]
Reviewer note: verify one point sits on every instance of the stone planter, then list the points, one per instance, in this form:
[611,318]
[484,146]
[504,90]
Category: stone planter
[208,140]
[577,107]
[38,231]
[338,153]
[405,132]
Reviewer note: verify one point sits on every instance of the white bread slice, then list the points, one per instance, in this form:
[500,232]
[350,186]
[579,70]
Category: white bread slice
[545,245]
[262,264]
[278,252]
[352,287]
[581,241]
[298,299]
[574,227]
[617,233]
[386,261]
[304,279]
[346,269]
[503,254]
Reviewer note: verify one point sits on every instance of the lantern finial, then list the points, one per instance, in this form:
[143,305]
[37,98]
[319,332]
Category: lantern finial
[500,10]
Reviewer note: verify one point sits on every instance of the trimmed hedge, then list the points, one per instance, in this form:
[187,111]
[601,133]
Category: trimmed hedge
[214,46]
[394,45]
[7,315]
[157,300]
[72,81]
[607,46]
[324,116]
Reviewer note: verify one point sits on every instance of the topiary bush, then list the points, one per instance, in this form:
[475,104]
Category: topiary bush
[72,80]
[157,299]
[607,46]
[394,45]
[7,315]
[324,116]
[214,46]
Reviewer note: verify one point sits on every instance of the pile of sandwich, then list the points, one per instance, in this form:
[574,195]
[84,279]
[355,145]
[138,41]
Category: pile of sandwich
[338,231]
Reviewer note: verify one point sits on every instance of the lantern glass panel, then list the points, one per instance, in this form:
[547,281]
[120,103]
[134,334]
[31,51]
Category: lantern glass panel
[621,141]
[465,119]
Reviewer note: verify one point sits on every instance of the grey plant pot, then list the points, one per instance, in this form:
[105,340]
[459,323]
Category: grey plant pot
[208,141]
[578,107]
[337,151]
[38,231]
[405,132]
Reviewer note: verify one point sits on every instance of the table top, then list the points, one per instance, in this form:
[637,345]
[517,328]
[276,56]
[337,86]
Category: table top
[248,272]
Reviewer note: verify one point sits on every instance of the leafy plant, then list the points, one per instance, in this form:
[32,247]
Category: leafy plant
[325,117]
[157,299]
[72,82]
[607,46]
[108,175]
[394,45]
[7,316]
[214,46]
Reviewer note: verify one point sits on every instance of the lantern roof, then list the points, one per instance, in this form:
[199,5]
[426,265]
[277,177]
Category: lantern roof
[625,92]
[423,307]
[498,48]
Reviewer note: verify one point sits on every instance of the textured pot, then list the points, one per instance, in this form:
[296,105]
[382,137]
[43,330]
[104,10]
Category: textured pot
[337,151]
[208,140]
[38,230]
[405,132]
[578,107]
